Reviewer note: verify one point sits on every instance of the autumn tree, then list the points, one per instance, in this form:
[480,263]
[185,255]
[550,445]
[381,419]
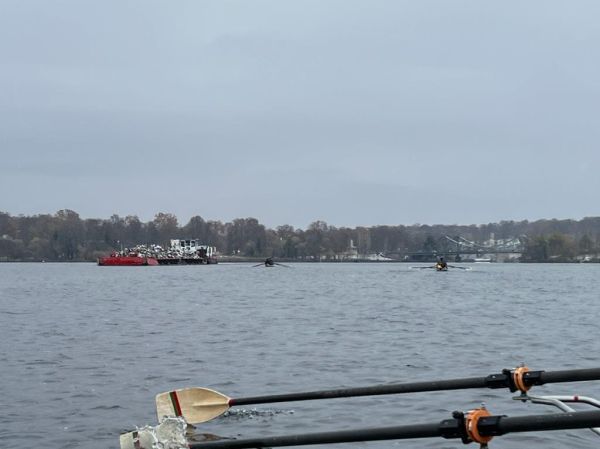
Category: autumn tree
[68,233]
[166,227]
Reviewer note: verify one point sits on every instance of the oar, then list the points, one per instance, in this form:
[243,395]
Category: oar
[281,264]
[198,405]
[470,429]
[258,264]
[421,268]
[460,268]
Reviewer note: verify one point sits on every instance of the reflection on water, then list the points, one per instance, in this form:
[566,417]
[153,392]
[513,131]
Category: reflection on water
[84,349]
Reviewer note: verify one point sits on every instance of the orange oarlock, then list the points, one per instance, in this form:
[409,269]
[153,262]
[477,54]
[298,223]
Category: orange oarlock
[518,379]
[471,420]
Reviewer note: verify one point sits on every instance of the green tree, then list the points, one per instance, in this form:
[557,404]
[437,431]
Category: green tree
[561,247]
[586,245]
[41,249]
[246,236]
[7,225]
[196,228]
[536,249]
[166,226]
[133,232]
[11,249]
[429,245]
[316,239]
[68,234]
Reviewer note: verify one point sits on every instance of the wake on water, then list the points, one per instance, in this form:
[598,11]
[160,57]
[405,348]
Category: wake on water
[176,433]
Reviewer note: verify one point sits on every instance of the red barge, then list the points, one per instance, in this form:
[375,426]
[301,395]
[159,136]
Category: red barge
[180,252]
[131,260]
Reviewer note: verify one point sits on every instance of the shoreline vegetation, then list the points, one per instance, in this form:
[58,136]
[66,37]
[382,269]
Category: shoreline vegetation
[65,237]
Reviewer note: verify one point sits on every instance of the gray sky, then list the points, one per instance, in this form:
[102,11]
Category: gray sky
[352,112]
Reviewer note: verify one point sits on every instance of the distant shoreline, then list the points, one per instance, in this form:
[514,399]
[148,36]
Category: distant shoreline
[360,261]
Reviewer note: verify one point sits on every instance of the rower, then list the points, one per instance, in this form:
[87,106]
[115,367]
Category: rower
[269,262]
[441,264]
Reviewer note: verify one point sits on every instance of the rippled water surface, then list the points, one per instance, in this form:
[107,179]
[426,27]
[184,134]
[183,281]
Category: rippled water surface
[84,349]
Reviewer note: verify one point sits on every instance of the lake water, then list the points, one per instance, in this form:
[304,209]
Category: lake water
[84,349]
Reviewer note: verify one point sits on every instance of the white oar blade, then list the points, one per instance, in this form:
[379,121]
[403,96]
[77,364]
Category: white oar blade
[196,405]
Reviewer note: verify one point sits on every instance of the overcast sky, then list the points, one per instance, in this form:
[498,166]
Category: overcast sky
[352,112]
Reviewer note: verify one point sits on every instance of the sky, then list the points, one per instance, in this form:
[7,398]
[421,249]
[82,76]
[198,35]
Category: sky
[352,112]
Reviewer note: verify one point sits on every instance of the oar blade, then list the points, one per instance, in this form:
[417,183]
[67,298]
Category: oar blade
[196,405]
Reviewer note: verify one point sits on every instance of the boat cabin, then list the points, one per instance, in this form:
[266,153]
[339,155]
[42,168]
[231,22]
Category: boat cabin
[193,247]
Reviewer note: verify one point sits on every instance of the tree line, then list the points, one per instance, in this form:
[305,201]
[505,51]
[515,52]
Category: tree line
[65,236]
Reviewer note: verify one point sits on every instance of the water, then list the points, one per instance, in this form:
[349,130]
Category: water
[84,349]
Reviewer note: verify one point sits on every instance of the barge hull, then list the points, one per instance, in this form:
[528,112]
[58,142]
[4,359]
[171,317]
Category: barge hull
[186,261]
[126,261]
